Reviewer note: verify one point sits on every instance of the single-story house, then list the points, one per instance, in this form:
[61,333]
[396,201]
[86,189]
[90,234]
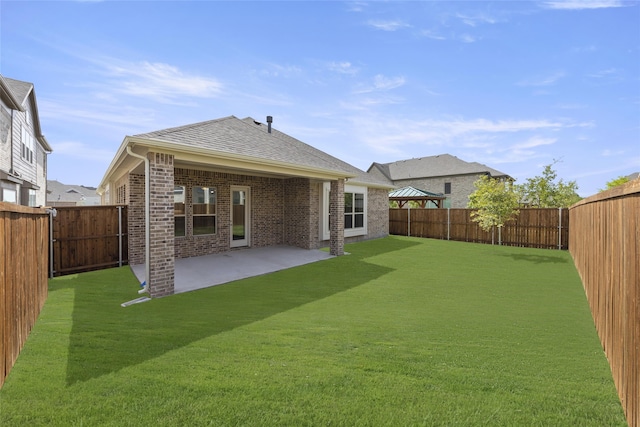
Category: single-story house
[225,184]
[444,173]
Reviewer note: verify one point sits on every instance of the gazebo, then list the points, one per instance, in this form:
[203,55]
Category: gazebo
[411,194]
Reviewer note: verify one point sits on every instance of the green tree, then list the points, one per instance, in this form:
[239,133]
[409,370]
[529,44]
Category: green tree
[544,192]
[615,182]
[496,202]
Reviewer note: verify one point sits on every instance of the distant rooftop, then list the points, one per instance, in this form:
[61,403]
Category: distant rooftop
[433,166]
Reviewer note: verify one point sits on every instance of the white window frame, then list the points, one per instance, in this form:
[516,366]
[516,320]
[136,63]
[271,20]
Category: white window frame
[9,195]
[206,191]
[32,197]
[27,145]
[180,198]
[325,232]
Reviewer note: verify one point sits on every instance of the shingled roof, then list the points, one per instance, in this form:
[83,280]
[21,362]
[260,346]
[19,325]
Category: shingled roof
[16,94]
[433,166]
[250,138]
[247,141]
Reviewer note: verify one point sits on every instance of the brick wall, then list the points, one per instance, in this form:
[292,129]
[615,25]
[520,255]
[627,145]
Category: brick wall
[302,213]
[266,215]
[377,213]
[336,210]
[161,273]
[135,218]
[461,187]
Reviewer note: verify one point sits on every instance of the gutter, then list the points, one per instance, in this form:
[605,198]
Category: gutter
[147,219]
[179,150]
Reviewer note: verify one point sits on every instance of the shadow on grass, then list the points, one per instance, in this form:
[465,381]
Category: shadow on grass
[538,259]
[106,337]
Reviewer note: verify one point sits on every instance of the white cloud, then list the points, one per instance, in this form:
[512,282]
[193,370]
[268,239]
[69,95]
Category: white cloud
[534,141]
[582,4]
[497,141]
[381,84]
[467,38]
[569,106]
[161,81]
[279,70]
[356,6]
[82,151]
[546,80]
[609,153]
[608,73]
[344,67]
[432,35]
[388,25]
[473,21]
[118,117]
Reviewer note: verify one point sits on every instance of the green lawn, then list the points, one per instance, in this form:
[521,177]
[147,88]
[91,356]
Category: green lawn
[402,331]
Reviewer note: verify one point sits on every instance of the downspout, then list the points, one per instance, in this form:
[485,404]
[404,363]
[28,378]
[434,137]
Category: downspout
[11,170]
[147,219]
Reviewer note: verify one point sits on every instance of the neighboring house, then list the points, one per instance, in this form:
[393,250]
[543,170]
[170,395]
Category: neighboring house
[23,148]
[230,183]
[444,174]
[59,194]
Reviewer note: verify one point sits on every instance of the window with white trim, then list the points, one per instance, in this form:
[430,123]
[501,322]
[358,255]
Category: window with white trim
[27,146]
[355,211]
[204,210]
[31,194]
[180,228]
[9,195]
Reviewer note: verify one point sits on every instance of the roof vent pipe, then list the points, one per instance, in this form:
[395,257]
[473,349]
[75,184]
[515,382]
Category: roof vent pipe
[269,121]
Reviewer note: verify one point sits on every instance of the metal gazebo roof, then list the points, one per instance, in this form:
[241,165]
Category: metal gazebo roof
[411,194]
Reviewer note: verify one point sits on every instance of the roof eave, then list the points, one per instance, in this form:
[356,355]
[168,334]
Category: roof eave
[14,103]
[200,155]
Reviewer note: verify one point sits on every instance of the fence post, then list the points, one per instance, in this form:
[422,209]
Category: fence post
[52,214]
[559,228]
[448,223]
[408,219]
[119,236]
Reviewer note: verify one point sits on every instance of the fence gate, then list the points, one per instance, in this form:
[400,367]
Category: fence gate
[85,238]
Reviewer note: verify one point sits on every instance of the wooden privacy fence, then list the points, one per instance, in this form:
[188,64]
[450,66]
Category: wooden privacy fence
[605,245]
[86,238]
[23,277]
[533,228]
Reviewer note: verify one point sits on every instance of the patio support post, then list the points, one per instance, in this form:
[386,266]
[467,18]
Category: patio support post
[161,229]
[336,209]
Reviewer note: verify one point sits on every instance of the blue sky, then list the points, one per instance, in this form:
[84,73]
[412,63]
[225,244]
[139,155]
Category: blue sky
[513,85]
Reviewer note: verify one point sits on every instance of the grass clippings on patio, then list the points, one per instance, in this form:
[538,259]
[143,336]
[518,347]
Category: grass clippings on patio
[401,332]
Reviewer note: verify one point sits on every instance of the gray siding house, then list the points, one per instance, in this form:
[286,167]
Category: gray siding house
[227,184]
[23,148]
[443,174]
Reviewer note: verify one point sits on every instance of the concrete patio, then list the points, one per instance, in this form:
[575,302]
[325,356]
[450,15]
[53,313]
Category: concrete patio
[210,270]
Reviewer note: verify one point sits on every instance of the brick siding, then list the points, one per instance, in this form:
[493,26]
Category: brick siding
[162,271]
[135,214]
[266,215]
[336,210]
[461,187]
[301,207]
